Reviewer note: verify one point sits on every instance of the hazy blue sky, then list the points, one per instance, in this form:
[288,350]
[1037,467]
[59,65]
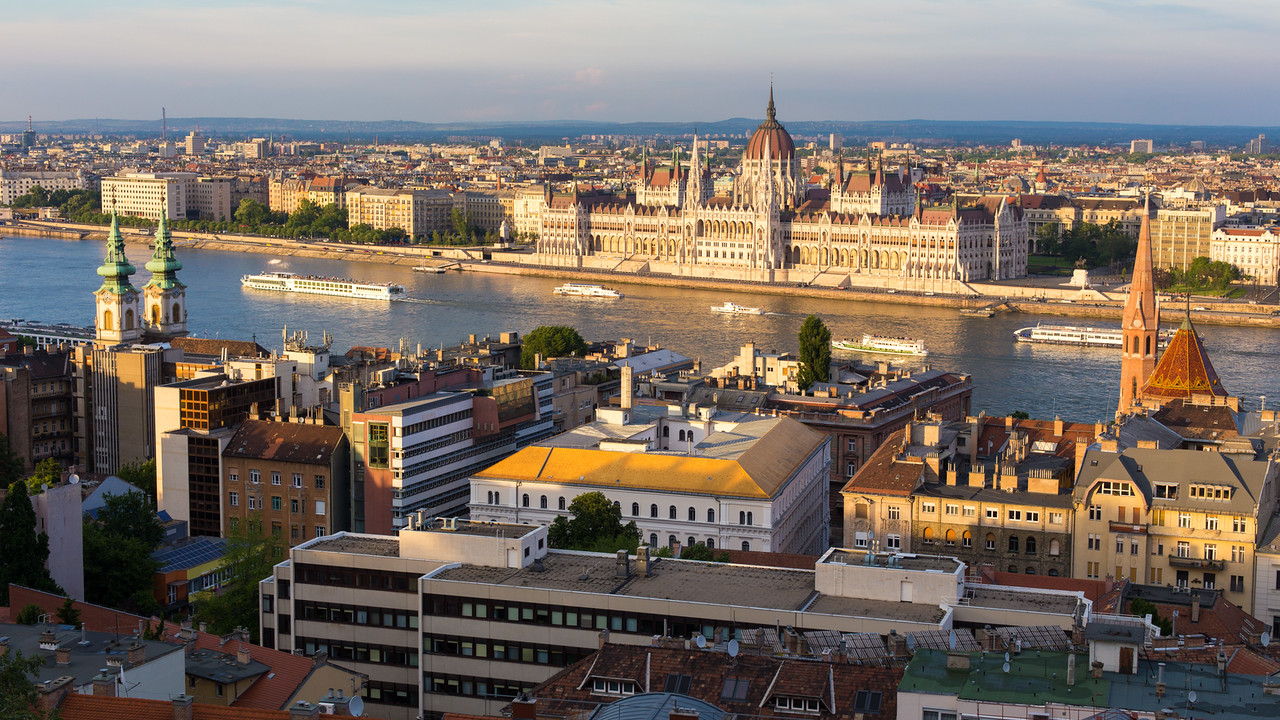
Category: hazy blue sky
[1170,61]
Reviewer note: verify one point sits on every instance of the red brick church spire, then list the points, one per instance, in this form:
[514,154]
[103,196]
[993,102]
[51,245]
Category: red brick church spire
[1141,322]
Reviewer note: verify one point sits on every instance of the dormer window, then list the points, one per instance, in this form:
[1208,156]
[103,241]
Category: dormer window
[808,706]
[607,686]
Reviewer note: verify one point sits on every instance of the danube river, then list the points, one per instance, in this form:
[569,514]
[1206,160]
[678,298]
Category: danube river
[53,281]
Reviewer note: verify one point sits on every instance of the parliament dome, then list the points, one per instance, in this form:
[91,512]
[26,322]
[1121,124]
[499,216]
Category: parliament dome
[770,133]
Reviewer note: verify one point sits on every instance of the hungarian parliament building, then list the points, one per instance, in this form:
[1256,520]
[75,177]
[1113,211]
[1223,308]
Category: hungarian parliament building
[868,229]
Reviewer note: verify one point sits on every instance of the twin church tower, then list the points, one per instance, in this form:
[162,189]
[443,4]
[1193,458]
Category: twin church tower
[125,314]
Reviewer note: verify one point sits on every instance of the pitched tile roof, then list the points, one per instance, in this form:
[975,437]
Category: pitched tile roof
[884,474]
[1184,369]
[100,707]
[213,347]
[285,442]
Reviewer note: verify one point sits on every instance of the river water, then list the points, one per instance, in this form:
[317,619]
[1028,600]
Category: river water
[53,281]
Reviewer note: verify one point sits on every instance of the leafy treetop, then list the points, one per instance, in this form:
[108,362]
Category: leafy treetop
[551,341]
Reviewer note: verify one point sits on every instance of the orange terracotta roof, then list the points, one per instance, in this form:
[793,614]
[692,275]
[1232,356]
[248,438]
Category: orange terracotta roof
[100,707]
[1184,369]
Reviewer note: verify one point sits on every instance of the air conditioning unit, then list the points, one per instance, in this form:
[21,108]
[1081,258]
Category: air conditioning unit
[326,708]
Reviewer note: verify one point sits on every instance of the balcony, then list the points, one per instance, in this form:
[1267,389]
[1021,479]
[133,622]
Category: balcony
[1196,563]
[1119,527]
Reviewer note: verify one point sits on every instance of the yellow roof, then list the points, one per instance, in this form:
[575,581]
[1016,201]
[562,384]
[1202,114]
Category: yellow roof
[759,472]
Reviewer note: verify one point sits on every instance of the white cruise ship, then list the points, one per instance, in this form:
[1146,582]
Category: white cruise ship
[879,344]
[581,290]
[733,309]
[1079,336]
[316,285]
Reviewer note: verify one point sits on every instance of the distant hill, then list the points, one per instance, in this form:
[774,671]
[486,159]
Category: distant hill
[952,131]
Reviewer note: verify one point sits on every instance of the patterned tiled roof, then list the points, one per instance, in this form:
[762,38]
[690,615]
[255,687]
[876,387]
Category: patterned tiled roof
[1184,369]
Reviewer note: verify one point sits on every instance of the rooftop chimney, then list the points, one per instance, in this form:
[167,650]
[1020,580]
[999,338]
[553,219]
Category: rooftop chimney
[679,713]
[1195,607]
[137,653]
[622,567]
[242,655]
[62,656]
[627,380]
[642,561]
[303,709]
[104,683]
[51,692]
[524,708]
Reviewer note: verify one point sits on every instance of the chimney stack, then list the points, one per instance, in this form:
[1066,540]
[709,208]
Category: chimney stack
[1195,607]
[524,708]
[51,692]
[242,655]
[642,561]
[622,568]
[62,656]
[303,710]
[104,684]
[627,380]
[137,653]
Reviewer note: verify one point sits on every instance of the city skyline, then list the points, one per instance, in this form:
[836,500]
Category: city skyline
[1077,60]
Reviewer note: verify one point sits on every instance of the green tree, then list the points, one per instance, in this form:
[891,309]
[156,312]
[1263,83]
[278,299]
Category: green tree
[1048,238]
[699,551]
[131,515]
[23,552]
[1142,608]
[252,213]
[551,341]
[29,614]
[68,614]
[815,353]
[251,553]
[18,693]
[141,475]
[48,472]
[118,569]
[596,526]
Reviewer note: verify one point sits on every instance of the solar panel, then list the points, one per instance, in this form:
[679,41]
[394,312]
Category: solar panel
[1047,637]
[941,640]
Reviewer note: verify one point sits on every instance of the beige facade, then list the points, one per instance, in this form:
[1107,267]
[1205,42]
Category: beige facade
[1256,251]
[178,195]
[1186,518]
[1180,236]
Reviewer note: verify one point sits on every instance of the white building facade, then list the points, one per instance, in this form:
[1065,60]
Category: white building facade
[1256,251]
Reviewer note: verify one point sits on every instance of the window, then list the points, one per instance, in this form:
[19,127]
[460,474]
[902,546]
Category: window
[711,515]
[938,715]
[253,502]
[970,511]
[653,540]
[1237,583]
[1015,514]
[750,519]
[967,539]
[1184,549]
[233,476]
[993,514]
[894,512]
[677,683]
[1033,516]
[1239,524]
[542,502]
[1031,546]
[1210,581]
[866,701]
[1055,518]
[1055,548]
[991,541]
[379,445]
[560,503]
[1095,541]
[1091,569]
[1210,551]
[653,511]
[235,499]
[894,542]
[950,537]
[524,500]
[297,480]
[746,546]
[928,507]
[735,689]
[1119,545]
[952,509]
[1184,520]
[254,476]
[275,478]
[1095,512]
[1013,544]
[1133,547]
[1168,491]
[635,509]
[293,505]
[671,513]
[320,507]
[319,482]
[277,503]
[1109,487]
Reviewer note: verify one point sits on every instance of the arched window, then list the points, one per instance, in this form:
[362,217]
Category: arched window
[746,546]
[489,497]
[671,512]
[966,539]
[1053,572]
[711,515]
[693,515]
[107,319]
[742,517]
[177,313]
[750,520]
[525,500]
[951,537]
[653,539]
[671,541]
[681,438]
[1013,544]
[711,543]
[560,503]
[128,319]
[991,541]
[155,314]
[618,505]
[635,509]
[692,541]
[1054,548]
[497,497]
[927,536]
[1031,571]
[542,502]
[653,511]
[1031,546]
[1013,568]
[666,431]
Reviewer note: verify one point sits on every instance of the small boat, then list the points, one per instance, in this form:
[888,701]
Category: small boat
[733,309]
[429,269]
[582,290]
[880,344]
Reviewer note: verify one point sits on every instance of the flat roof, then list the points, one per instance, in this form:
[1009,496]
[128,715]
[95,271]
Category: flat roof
[879,609]
[1010,598]
[355,545]
[460,526]
[1034,677]
[222,667]
[919,563]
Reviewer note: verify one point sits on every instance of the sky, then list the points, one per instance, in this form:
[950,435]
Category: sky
[1144,61]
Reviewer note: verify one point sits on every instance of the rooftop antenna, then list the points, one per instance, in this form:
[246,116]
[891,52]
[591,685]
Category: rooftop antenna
[164,125]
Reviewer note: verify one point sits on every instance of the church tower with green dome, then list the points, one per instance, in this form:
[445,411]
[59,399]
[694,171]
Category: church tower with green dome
[118,319]
[164,297]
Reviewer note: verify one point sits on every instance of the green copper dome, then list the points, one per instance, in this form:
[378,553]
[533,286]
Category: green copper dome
[115,269]
[163,265]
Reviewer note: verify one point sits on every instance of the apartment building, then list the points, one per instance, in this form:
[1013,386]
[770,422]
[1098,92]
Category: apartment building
[1182,235]
[37,407]
[1187,518]
[292,475]
[179,195]
[418,454]
[16,183]
[1256,251]
[456,615]
[684,476]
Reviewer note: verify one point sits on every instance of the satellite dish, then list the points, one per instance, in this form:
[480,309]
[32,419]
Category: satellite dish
[1191,697]
[1006,656]
[911,643]
[701,640]
[73,479]
[1265,639]
[1005,667]
[733,648]
[356,706]
[871,534]
[951,640]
